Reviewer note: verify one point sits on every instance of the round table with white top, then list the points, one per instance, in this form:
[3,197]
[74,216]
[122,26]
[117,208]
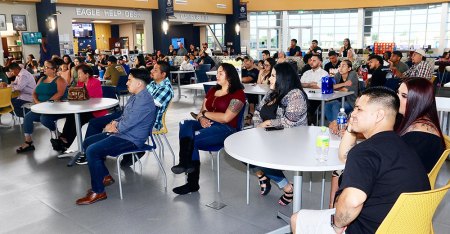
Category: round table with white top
[292,149]
[76,108]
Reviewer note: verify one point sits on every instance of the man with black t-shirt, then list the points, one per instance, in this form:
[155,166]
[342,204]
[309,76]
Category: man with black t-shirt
[314,48]
[250,72]
[376,172]
[378,77]
[294,49]
[333,64]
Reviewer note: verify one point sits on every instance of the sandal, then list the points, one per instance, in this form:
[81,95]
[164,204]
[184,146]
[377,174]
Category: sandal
[30,147]
[287,197]
[264,183]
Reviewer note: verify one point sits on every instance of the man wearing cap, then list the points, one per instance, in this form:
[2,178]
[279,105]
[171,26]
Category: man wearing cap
[396,64]
[113,71]
[420,67]
[126,133]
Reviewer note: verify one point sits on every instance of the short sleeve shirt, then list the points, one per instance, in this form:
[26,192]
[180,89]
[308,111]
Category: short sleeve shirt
[383,167]
[253,73]
[220,104]
[294,50]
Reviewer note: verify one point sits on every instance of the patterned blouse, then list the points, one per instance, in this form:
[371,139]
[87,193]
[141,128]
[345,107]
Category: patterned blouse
[290,113]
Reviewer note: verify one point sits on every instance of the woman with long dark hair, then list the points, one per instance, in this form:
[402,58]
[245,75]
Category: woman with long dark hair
[218,118]
[285,105]
[419,127]
[266,72]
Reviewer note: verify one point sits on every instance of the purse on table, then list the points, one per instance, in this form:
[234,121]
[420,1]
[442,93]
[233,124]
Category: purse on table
[78,94]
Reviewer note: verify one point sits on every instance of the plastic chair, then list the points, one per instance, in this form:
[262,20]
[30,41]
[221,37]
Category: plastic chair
[162,133]
[200,76]
[122,89]
[413,212]
[145,148]
[6,104]
[219,148]
[207,87]
[435,171]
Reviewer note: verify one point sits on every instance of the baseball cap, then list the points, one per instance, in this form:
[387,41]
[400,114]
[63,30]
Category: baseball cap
[420,51]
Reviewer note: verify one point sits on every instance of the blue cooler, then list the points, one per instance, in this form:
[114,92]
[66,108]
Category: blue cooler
[327,84]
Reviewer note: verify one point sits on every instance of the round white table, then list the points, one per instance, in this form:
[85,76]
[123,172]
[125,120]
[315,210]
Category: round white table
[292,149]
[76,108]
[178,79]
[443,108]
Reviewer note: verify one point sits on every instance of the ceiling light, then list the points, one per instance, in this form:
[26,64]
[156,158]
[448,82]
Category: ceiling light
[181,2]
[101,21]
[219,5]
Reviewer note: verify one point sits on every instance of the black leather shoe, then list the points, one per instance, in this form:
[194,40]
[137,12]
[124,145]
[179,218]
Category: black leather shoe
[179,169]
[185,189]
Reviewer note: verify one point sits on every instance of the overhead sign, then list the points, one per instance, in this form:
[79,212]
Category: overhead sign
[169,8]
[198,18]
[243,11]
[109,13]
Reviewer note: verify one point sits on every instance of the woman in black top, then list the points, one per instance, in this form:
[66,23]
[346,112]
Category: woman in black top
[419,126]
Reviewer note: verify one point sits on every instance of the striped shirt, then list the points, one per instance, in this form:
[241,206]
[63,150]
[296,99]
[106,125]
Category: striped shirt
[162,95]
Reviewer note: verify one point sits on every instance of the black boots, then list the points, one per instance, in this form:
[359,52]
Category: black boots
[192,184]
[185,161]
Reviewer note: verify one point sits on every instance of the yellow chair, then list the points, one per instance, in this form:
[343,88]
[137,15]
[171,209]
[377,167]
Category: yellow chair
[161,133]
[435,171]
[413,212]
[5,103]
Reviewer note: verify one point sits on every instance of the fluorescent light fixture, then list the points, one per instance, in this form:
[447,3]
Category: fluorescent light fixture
[74,20]
[181,2]
[237,28]
[101,21]
[220,5]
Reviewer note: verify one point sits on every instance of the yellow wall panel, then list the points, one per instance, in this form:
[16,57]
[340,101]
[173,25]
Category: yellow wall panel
[205,6]
[285,5]
[102,35]
[150,4]
[75,45]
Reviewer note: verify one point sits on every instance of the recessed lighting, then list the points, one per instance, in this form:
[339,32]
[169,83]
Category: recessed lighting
[101,21]
[219,5]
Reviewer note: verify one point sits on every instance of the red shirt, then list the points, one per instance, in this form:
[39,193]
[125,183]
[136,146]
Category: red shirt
[94,90]
[220,104]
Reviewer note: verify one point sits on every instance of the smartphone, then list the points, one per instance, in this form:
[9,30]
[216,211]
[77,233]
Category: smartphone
[274,128]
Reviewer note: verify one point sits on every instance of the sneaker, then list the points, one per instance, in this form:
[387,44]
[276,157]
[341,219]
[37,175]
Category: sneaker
[81,160]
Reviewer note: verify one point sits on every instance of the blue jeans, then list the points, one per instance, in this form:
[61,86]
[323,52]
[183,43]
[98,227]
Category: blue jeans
[204,137]
[46,120]
[18,103]
[96,125]
[97,148]
[332,109]
[273,174]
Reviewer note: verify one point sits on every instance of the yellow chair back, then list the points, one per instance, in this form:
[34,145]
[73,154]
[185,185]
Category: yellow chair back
[413,212]
[435,171]
[5,100]
[163,129]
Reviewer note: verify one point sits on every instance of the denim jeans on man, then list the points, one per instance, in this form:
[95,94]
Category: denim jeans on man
[204,137]
[17,104]
[97,147]
[46,120]
[96,125]
[332,109]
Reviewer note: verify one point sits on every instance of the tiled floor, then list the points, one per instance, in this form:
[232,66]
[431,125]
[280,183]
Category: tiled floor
[38,193]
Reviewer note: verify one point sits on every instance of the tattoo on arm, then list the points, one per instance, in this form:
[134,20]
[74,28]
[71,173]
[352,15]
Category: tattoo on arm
[235,105]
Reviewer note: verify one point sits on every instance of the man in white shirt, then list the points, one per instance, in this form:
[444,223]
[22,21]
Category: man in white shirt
[313,79]
[206,49]
[25,84]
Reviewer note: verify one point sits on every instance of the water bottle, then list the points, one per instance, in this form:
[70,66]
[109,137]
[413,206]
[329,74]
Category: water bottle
[322,145]
[327,85]
[101,73]
[341,119]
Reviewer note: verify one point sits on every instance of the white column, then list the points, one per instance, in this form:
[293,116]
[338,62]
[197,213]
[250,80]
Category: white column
[360,38]
[1,52]
[444,19]
[285,40]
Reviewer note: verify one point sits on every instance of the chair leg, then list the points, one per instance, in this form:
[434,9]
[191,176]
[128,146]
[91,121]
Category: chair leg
[119,175]
[161,167]
[170,147]
[139,161]
[160,146]
[212,161]
[248,183]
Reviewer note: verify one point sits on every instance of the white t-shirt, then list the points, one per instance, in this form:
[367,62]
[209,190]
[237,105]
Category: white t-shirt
[314,76]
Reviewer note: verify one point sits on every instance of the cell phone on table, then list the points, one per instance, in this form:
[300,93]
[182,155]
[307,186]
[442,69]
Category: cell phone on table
[274,128]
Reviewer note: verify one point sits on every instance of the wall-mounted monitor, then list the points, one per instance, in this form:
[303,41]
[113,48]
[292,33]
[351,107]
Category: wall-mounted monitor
[82,30]
[176,42]
[30,38]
